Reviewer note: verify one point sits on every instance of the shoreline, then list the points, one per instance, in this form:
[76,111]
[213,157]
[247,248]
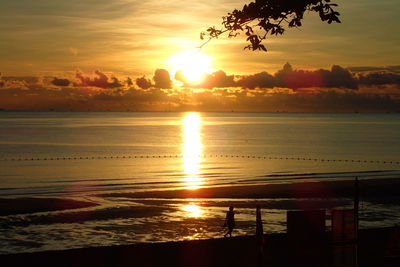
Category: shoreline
[24,205]
[371,187]
[384,190]
[154,216]
[373,250]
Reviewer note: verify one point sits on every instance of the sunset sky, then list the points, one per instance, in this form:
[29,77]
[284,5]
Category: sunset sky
[128,38]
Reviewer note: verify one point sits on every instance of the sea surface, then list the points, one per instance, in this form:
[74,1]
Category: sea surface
[84,156]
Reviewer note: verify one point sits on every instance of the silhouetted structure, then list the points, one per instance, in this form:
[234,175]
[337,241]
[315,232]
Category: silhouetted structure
[259,235]
[344,238]
[306,238]
[259,224]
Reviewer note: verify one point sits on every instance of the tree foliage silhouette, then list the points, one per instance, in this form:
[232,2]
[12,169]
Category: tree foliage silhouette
[262,17]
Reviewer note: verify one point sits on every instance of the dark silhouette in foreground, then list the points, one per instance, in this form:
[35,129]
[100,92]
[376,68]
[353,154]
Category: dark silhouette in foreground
[261,18]
[259,235]
[229,221]
[373,244]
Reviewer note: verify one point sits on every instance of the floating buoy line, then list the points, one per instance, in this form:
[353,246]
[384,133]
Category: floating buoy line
[69,158]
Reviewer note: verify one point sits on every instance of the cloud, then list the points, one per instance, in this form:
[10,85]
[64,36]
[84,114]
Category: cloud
[60,82]
[379,78]
[289,89]
[115,83]
[144,83]
[100,80]
[218,79]
[22,82]
[179,76]
[24,79]
[395,68]
[338,77]
[366,98]
[162,79]
[129,82]
[258,80]
[327,100]
[287,77]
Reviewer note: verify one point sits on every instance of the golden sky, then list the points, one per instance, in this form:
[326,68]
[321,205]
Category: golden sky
[126,55]
[129,37]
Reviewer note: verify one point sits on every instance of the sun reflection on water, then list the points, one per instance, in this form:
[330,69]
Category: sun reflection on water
[192,210]
[191,150]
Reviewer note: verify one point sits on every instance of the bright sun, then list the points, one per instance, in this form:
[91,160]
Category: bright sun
[193,65]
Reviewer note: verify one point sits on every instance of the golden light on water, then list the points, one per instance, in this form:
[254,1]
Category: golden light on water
[192,210]
[191,150]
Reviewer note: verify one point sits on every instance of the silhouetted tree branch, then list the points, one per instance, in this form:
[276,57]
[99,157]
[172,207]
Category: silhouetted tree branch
[263,17]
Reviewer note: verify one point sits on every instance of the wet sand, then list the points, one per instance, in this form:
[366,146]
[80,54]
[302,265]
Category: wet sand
[12,206]
[374,245]
[382,190]
[324,194]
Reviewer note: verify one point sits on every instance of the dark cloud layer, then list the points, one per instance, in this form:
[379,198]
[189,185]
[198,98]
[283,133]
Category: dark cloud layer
[287,77]
[25,79]
[365,99]
[60,82]
[293,90]
[379,78]
[338,77]
[100,80]
[162,79]
[144,83]
[218,79]
[258,80]
[395,68]
[129,82]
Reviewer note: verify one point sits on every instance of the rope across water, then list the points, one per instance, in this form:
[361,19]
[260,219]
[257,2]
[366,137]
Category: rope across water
[67,158]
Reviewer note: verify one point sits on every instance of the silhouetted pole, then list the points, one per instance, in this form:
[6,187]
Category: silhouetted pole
[356,204]
[259,236]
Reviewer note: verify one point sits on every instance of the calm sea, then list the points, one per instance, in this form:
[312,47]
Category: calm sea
[82,155]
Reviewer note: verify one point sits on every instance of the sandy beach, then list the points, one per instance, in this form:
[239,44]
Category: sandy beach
[40,224]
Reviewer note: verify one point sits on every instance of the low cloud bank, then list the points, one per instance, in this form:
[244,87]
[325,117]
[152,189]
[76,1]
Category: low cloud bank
[335,90]
[287,77]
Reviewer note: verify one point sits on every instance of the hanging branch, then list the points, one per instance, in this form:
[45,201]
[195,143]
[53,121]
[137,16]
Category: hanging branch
[271,17]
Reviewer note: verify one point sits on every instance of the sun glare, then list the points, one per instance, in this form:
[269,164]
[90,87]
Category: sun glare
[192,149]
[192,210]
[193,65]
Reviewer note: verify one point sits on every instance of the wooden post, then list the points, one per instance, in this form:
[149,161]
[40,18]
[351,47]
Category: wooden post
[259,236]
[356,204]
